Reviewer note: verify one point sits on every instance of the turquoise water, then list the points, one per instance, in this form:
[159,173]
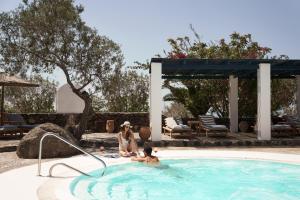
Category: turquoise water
[191,180]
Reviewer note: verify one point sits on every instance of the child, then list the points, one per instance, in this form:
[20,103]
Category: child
[148,158]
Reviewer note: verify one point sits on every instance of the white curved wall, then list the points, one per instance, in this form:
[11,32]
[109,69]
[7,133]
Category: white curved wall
[67,101]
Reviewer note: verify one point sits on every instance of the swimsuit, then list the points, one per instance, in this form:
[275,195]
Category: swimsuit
[124,143]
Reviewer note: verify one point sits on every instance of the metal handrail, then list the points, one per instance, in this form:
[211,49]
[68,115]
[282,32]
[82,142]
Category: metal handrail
[64,164]
[73,145]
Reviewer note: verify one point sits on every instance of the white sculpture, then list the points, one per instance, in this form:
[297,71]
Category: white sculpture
[67,101]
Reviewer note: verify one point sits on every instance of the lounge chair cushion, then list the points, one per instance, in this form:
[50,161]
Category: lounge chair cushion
[281,127]
[181,128]
[217,127]
[212,129]
[8,127]
[170,122]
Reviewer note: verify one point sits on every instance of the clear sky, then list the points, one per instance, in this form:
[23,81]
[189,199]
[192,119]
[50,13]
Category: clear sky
[142,27]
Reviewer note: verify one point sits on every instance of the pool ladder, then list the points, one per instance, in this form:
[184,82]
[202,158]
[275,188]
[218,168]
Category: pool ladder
[63,164]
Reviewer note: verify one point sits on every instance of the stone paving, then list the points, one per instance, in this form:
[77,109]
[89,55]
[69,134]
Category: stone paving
[9,144]
[92,142]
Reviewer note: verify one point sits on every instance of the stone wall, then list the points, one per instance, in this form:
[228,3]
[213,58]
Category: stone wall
[136,119]
[96,124]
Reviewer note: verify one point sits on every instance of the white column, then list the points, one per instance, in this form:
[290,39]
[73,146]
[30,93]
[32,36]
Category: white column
[298,94]
[233,104]
[155,101]
[264,102]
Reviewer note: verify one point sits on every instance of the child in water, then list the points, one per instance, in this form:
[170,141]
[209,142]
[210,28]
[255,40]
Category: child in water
[148,157]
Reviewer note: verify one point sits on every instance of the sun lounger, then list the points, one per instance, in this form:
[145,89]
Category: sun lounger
[173,126]
[294,122]
[10,130]
[18,120]
[208,124]
[281,130]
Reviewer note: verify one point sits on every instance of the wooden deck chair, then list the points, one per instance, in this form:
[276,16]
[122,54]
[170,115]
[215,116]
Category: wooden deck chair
[294,122]
[10,130]
[18,120]
[171,126]
[208,124]
[281,130]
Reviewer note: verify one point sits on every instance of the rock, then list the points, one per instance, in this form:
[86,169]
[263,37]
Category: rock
[52,147]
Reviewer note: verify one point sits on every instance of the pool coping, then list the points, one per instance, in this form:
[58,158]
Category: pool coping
[16,181]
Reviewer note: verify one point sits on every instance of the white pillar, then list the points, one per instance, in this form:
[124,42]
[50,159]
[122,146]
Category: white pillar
[298,94]
[155,101]
[233,104]
[264,102]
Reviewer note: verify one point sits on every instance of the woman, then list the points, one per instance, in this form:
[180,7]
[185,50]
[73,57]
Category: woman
[127,143]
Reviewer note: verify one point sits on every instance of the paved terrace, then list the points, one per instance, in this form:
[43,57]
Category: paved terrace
[95,140]
[92,142]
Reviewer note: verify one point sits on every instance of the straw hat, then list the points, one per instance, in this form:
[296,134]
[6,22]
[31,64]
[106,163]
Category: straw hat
[126,123]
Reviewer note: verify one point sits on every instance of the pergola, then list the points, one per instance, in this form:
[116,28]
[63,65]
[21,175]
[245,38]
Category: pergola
[233,69]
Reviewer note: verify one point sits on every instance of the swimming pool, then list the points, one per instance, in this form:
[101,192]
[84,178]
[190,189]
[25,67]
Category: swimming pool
[193,179]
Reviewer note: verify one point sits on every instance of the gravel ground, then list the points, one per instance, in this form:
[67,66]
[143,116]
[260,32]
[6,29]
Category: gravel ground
[10,160]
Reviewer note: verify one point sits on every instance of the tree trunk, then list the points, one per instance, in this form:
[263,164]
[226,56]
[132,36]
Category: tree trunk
[85,117]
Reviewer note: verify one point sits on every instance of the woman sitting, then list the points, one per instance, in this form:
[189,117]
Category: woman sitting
[127,143]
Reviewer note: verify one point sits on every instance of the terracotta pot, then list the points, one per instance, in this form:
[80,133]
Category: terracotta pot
[144,133]
[243,125]
[110,126]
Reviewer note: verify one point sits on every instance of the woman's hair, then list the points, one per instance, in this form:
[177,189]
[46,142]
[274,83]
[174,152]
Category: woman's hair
[127,135]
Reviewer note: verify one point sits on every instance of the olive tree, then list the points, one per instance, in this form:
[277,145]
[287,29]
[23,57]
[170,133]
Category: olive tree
[47,35]
[126,91]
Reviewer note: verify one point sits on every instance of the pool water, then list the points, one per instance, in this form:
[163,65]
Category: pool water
[193,179]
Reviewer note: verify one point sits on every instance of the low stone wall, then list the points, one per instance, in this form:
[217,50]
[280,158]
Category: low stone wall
[136,119]
[221,142]
[96,124]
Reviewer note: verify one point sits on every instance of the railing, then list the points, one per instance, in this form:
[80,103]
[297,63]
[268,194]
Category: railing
[68,166]
[73,145]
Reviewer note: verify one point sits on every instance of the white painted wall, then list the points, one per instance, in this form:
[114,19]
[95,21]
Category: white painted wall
[298,95]
[155,101]
[67,101]
[233,104]
[264,102]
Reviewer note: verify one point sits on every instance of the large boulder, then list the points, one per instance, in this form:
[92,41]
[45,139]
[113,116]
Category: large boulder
[52,146]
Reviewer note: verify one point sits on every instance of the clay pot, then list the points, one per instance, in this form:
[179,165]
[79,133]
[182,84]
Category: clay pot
[110,126]
[243,125]
[144,133]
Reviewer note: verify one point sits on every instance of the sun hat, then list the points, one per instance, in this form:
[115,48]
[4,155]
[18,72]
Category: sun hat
[126,123]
